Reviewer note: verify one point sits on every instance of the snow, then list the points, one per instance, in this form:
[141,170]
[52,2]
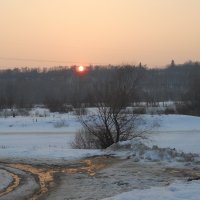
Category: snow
[176,131]
[173,131]
[176,191]
[180,123]
[138,151]
[41,136]
[54,123]
[5,179]
[41,146]
[184,141]
[46,137]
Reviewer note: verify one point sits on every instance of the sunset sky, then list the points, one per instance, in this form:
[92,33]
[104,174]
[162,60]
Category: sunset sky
[65,32]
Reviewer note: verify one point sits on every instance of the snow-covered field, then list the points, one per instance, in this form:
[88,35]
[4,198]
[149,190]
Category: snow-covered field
[45,147]
[40,138]
[177,131]
[176,191]
[48,138]
[53,122]
[174,131]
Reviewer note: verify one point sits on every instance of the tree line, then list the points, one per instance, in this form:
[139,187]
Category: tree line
[61,87]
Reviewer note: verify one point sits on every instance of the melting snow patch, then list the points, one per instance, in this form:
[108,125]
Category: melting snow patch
[5,179]
[176,191]
[139,151]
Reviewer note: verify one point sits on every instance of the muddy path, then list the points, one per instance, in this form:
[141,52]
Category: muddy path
[34,181]
[23,186]
[93,178]
[120,177]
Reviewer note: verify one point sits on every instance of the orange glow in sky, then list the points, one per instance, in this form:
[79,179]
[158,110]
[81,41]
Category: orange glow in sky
[42,33]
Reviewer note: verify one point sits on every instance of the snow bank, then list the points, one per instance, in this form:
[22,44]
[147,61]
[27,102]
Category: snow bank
[176,191]
[139,151]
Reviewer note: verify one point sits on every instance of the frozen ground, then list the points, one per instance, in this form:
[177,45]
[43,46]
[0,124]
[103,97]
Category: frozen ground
[176,191]
[122,176]
[42,136]
[53,122]
[5,179]
[46,139]
[48,136]
[41,147]
[170,129]
[176,131]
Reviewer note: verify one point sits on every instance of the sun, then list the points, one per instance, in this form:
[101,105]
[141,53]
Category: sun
[81,68]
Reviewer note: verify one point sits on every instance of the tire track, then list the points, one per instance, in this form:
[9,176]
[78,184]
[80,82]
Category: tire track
[14,184]
[33,182]
[23,186]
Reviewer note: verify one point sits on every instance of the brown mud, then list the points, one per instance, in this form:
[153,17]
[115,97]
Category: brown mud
[92,178]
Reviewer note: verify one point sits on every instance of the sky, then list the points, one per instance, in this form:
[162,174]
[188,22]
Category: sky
[42,33]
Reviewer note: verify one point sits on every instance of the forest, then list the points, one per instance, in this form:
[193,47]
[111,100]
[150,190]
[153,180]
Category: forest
[61,88]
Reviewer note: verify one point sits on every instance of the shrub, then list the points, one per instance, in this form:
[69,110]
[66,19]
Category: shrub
[139,110]
[169,111]
[80,111]
[85,140]
[61,123]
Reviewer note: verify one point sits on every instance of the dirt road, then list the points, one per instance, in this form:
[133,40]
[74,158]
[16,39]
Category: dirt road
[89,179]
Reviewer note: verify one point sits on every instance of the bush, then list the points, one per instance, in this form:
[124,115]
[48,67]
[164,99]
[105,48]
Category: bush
[188,109]
[107,126]
[80,111]
[184,109]
[61,123]
[169,111]
[14,112]
[56,105]
[111,123]
[23,112]
[139,110]
[85,140]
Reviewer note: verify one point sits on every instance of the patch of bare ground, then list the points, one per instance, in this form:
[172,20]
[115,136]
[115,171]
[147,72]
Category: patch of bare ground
[33,181]
[90,179]
[117,177]
[23,186]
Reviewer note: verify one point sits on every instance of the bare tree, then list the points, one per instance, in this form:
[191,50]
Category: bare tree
[112,121]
